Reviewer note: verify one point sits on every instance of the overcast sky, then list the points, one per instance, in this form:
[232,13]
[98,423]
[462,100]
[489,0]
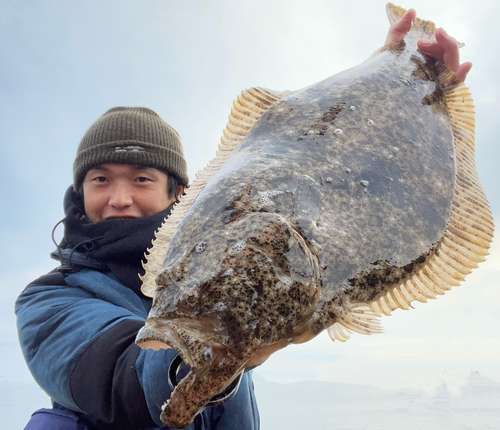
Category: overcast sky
[64,63]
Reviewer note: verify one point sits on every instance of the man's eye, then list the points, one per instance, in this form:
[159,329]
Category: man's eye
[142,179]
[100,179]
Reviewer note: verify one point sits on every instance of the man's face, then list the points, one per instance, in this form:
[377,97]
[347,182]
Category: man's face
[125,191]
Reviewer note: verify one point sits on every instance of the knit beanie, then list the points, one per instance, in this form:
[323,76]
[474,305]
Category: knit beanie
[131,135]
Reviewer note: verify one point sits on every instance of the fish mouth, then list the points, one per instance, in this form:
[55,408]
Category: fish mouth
[149,337]
[214,367]
[177,366]
[192,339]
[198,389]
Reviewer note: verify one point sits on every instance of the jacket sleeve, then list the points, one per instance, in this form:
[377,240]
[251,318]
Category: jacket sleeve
[77,335]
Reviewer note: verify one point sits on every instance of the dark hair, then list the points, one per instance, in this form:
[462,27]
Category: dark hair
[172,184]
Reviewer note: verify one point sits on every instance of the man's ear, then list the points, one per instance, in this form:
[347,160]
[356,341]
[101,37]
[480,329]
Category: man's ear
[179,192]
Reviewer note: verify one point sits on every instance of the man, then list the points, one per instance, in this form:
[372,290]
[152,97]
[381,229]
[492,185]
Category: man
[77,324]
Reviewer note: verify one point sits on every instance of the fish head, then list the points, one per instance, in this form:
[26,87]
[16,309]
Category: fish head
[254,285]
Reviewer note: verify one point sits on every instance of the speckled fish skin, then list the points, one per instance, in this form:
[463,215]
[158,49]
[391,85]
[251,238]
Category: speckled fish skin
[338,193]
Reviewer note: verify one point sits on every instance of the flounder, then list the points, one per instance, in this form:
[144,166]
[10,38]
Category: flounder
[324,209]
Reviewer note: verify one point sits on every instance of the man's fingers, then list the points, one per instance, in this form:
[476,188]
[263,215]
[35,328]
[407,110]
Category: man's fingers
[444,48]
[400,28]
[431,48]
[451,57]
[463,70]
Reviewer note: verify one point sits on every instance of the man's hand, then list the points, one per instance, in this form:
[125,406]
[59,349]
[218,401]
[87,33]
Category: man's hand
[444,48]
[400,29]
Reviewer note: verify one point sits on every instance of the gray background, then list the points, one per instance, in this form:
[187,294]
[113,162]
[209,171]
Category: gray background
[64,63]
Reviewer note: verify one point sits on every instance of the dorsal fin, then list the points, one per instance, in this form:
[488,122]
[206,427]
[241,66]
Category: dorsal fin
[469,232]
[247,109]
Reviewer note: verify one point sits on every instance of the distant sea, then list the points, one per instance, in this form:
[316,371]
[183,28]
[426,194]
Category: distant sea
[331,406]
[317,405]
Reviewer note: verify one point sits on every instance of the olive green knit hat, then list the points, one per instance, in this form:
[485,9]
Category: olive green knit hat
[131,135]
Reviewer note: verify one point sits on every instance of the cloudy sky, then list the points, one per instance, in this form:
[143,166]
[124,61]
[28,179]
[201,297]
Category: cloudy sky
[64,63]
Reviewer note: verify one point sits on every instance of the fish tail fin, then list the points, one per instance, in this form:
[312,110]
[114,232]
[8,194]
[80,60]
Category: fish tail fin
[421,29]
[394,13]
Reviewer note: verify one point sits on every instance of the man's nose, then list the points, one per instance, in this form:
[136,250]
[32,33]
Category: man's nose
[121,196]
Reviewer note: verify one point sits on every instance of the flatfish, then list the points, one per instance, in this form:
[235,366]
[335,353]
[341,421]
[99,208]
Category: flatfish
[324,209]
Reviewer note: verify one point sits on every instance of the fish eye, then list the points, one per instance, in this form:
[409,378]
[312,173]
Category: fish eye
[192,298]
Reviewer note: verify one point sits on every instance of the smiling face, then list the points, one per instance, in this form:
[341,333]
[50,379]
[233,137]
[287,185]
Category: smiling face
[125,191]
